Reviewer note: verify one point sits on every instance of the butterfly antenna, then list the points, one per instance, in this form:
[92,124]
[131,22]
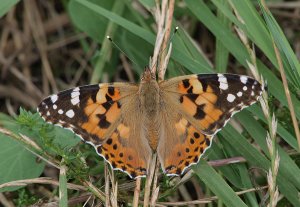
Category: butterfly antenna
[171,38]
[131,60]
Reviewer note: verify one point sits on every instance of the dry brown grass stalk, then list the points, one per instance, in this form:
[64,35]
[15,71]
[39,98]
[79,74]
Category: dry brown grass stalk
[207,200]
[272,122]
[163,15]
[41,180]
[287,94]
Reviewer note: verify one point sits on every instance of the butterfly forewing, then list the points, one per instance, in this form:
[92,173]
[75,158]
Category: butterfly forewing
[86,110]
[209,100]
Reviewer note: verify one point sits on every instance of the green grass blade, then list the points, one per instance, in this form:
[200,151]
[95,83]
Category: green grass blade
[255,158]
[217,185]
[237,49]
[137,30]
[285,135]
[257,31]
[63,190]
[105,51]
[193,65]
[287,165]
[236,174]
[186,42]
[290,61]
[255,28]
[222,53]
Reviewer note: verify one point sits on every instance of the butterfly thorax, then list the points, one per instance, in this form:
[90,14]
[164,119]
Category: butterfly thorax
[149,104]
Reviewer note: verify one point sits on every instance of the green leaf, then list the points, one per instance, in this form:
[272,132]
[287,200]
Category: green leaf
[194,65]
[287,165]
[63,189]
[238,50]
[285,135]
[105,51]
[290,61]
[222,53]
[219,150]
[33,126]
[17,163]
[93,24]
[255,158]
[217,184]
[5,6]
[99,11]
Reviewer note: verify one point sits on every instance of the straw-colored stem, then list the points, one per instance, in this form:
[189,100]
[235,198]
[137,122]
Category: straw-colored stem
[149,180]
[287,94]
[107,188]
[137,190]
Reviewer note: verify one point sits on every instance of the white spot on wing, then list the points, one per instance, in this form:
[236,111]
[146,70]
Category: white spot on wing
[223,82]
[60,111]
[75,100]
[54,98]
[230,98]
[239,94]
[244,79]
[54,106]
[75,94]
[70,113]
[245,88]
[48,113]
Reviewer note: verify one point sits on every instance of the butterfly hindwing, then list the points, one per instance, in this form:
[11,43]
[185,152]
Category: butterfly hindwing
[181,145]
[209,100]
[127,150]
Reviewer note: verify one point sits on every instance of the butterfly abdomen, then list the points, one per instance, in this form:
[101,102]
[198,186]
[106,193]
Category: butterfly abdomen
[149,103]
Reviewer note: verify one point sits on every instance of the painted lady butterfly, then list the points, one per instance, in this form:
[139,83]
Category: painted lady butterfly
[177,118]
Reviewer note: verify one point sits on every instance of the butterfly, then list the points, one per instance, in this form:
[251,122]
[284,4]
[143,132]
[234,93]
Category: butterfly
[177,118]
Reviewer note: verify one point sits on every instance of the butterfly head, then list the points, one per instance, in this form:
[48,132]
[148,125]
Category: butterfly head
[148,75]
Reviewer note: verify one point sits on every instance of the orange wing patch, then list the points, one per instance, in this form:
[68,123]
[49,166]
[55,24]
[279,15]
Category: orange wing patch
[120,156]
[188,152]
[211,99]
[199,104]
[101,113]
[89,110]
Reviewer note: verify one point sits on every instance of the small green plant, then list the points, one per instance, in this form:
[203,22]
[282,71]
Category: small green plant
[25,198]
